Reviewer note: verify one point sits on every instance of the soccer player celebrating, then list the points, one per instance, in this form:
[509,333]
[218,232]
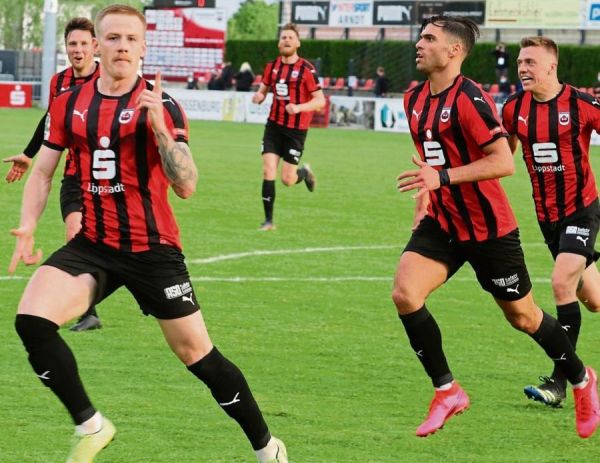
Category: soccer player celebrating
[80,43]
[296,95]
[129,146]
[554,122]
[463,215]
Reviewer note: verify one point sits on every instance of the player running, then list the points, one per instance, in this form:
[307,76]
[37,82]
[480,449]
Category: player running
[554,121]
[296,95]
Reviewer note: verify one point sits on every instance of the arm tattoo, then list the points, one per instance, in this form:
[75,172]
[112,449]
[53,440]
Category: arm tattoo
[176,159]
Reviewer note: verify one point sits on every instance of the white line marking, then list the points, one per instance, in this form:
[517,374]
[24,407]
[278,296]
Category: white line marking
[241,255]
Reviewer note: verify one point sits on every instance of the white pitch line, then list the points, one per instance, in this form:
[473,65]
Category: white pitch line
[241,255]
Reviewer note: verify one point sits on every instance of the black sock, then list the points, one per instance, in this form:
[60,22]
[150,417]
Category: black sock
[301,173]
[553,339]
[569,317]
[268,198]
[230,389]
[426,340]
[91,311]
[54,364]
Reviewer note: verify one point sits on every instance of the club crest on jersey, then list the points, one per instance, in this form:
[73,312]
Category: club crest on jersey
[564,118]
[126,115]
[445,114]
[294,74]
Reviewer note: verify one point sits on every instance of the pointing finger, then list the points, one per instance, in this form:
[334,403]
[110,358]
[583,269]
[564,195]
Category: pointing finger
[157,83]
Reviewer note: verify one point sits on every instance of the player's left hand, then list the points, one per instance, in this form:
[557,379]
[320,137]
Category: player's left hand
[292,108]
[21,162]
[153,102]
[23,249]
[425,179]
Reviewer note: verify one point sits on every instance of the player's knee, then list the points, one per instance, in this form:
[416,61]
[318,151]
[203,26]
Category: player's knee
[289,179]
[405,300]
[189,353]
[562,288]
[525,322]
[34,331]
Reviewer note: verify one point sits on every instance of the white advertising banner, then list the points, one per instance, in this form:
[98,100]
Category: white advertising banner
[390,116]
[210,105]
[258,113]
[351,13]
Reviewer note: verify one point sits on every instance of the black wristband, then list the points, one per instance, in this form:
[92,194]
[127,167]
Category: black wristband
[444,177]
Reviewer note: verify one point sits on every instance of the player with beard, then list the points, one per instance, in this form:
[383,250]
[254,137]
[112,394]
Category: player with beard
[296,95]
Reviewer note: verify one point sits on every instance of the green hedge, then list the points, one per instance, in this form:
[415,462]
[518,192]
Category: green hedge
[579,65]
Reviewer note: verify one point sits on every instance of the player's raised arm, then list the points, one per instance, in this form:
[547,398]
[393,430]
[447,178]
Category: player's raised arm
[177,160]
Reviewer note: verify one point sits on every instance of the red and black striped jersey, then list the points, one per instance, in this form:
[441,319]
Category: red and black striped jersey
[555,136]
[66,79]
[290,83]
[449,130]
[123,185]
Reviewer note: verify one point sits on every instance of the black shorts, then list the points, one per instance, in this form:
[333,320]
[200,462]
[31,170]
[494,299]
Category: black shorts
[283,141]
[498,263]
[158,279]
[574,234]
[70,196]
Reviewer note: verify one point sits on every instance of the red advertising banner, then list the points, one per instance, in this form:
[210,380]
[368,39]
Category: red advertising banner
[15,95]
[184,41]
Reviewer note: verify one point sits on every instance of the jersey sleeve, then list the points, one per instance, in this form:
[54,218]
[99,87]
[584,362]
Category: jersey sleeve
[52,93]
[175,119]
[266,77]
[478,116]
[57,138]
[594,114]
[35,143]
[508,117]
[310,80]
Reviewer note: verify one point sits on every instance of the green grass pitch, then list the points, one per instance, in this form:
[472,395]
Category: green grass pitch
[306,313]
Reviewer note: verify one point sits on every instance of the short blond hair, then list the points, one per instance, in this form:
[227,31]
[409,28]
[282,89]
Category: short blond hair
[118,8]
[291,27]
[540,41]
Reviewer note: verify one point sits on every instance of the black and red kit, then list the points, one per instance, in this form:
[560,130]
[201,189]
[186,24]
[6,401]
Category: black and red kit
[449,130]
[290,83]
[555,136]
[117,164]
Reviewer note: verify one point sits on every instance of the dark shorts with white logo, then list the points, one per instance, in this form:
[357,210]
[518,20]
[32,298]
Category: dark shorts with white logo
[283,141]
[575,234]
[499,263]
[158,279]
[70,196]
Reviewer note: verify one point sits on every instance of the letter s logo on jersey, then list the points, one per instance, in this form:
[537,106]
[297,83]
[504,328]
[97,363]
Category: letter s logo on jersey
[434,153]
[282,89]
[103,163]
[545,153]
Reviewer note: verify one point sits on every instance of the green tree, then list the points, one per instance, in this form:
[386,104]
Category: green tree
[20,24]
[255,20]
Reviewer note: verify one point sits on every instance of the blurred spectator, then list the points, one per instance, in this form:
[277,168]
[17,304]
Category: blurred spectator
[597,87]
[192,83]
[382,83]
[244,78]
[501,61]
[216,81]
[504,89]
[227,75]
